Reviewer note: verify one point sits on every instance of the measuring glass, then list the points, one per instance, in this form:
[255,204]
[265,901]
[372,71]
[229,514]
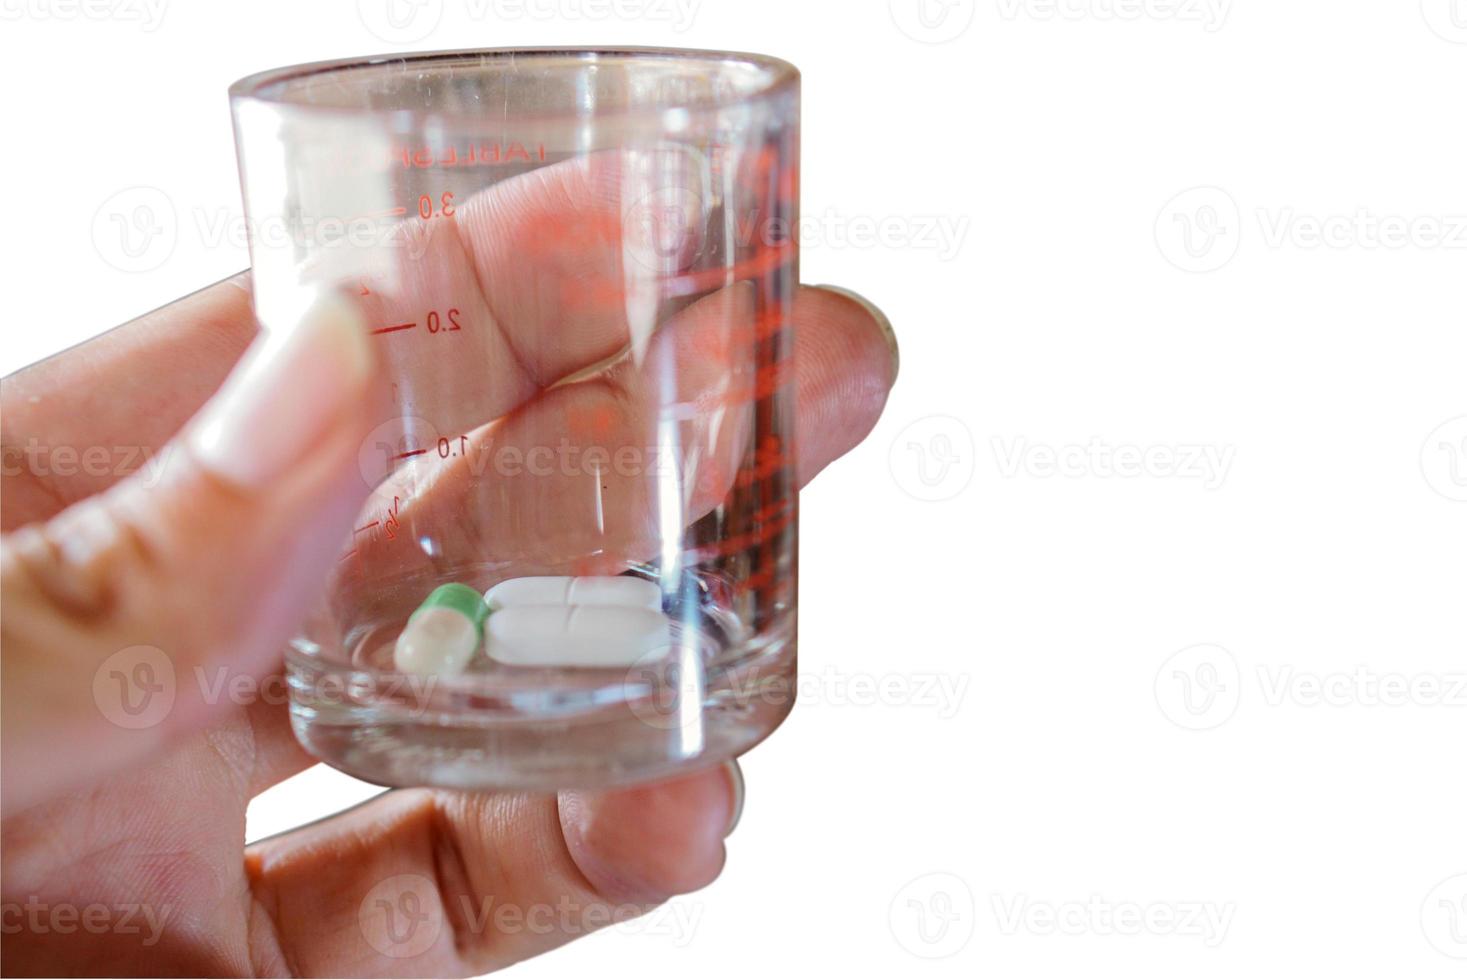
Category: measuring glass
[577,267]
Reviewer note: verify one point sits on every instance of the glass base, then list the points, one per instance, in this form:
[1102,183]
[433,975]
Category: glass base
[545,729]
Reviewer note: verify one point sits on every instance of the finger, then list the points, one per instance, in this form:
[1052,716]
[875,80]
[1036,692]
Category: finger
[846,361]
[77,423]
[429,883]
[535,261]
[477,305]
[126,613]
[480,285]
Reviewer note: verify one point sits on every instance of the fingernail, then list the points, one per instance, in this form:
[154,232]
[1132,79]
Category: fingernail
[882,322]
[736,787]
[291,386]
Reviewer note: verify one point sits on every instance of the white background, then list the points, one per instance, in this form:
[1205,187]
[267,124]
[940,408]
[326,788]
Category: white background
[1131,724]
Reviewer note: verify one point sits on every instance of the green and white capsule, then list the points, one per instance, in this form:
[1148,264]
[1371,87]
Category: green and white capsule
[443,634]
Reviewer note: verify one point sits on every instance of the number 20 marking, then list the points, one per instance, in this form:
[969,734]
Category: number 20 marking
[435,322]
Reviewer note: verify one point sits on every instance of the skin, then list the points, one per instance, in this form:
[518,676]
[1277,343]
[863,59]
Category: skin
[95,816]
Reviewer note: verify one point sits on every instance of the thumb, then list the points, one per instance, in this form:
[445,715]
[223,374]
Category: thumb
[120,611]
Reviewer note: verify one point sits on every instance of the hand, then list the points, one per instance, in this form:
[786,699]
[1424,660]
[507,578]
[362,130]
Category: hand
[143,830]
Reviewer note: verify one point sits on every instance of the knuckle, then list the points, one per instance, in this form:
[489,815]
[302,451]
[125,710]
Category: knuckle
[89,554]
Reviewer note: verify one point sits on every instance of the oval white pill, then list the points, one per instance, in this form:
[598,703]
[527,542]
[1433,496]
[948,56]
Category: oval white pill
[574,636]
[437,640]
[585,590]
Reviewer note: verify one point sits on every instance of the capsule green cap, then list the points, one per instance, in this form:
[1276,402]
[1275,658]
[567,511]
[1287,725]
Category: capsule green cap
[460,598]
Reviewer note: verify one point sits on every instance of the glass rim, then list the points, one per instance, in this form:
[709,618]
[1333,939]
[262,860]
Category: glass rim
[272,86]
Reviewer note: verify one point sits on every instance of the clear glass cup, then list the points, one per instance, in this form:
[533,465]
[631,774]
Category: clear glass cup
[577,267]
